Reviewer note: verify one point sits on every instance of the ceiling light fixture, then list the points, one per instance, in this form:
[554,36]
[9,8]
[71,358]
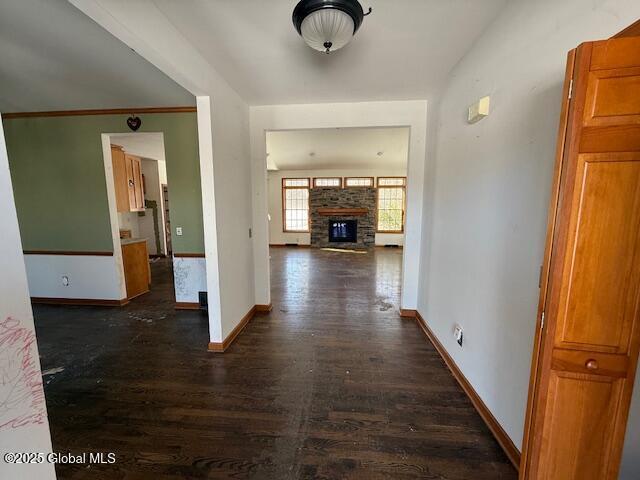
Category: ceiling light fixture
[328,25]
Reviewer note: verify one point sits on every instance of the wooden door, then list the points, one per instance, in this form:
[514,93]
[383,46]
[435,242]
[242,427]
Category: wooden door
[588,336]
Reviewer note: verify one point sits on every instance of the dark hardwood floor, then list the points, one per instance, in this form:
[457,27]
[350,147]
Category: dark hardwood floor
[331,385]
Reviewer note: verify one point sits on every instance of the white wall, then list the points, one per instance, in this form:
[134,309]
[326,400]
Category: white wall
[274,180]
[492,182]
[210,220]
[24,426]
[90,277]
[233,210]
[190,278]
[411,114]
[129,221]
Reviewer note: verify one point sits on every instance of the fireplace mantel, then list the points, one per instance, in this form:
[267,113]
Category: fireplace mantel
[345,212]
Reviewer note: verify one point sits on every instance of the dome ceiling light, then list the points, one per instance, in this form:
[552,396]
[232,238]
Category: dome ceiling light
[328,25]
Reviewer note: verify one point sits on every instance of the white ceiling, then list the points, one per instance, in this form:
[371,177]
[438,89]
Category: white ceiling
[339,149]
[147,145]
[403,50]
[53,57]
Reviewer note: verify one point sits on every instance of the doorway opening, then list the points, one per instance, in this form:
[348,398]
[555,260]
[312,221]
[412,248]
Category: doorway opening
[337,192]
[136,177]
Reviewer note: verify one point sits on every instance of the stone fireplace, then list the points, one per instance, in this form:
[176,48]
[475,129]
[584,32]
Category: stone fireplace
[339,210]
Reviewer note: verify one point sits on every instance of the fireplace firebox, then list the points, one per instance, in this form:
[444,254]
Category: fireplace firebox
[345,231]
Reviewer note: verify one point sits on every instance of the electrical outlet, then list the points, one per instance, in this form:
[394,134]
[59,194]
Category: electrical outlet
[459,334]
[179,231]
[65,280]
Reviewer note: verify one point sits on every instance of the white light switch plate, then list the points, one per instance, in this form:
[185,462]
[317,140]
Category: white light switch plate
[179,231]
[457,332]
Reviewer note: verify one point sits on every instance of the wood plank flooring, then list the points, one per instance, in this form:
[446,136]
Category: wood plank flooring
[333,384]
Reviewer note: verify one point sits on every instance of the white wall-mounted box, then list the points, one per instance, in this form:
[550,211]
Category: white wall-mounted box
[479,110]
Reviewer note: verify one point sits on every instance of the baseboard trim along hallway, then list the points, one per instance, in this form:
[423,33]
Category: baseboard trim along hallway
[288,245]
[498,432]
[264,308]
[187,306]
[93,302]
[221,347]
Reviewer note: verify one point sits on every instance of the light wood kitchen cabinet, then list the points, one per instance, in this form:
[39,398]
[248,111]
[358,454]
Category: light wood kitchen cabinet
[135,183]
[120,178]
[137,273]
[127,177]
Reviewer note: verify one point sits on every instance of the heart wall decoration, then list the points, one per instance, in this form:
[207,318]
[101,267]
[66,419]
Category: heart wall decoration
[134,122]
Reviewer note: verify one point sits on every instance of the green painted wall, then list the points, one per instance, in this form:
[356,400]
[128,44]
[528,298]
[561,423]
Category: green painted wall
[59,183]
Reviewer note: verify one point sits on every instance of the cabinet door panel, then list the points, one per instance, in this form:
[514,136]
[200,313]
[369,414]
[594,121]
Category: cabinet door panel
[131,185]
[135,260]
[602,264]
[120,179]
[578,404]
[134,183]
[611,97]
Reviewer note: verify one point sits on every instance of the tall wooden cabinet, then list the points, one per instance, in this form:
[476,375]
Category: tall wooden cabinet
[127,177]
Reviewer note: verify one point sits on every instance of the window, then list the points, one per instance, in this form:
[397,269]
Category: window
[358,182]
[327,182]
[295,204]
[391,192]
[392,181]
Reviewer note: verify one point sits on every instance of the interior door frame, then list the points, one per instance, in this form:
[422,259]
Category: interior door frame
[166,220]
[409,114]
